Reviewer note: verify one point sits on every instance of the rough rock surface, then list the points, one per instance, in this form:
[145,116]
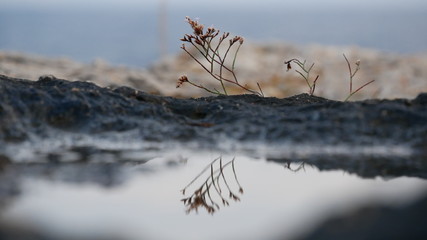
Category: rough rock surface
[301,127]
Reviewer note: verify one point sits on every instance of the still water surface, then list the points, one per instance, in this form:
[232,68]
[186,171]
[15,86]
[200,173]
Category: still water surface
[276,200]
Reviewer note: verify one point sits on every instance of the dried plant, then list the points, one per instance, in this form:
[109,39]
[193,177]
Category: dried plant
[352,74]
[304,72]
[213,61]
[301,166]
[210,191]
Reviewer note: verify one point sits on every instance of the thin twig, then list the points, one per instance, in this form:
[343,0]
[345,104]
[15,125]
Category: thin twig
[352,74]
[203,42]
[364,85]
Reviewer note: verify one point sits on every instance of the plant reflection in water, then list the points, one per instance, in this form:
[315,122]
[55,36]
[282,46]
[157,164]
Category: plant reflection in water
[213,189]
[301,166]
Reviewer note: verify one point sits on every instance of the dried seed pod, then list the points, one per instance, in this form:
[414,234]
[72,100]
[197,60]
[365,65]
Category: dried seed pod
[180,82]
[241,40]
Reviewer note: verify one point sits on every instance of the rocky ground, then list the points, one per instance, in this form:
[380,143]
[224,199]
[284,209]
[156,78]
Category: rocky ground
[69,113]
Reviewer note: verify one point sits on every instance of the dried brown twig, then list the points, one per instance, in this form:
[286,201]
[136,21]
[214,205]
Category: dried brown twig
[352,74]
[204,196]
[213,61]
[301,165]
[305,73]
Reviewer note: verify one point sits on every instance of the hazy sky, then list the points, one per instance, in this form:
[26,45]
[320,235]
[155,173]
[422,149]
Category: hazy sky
[369,4]
[66,28]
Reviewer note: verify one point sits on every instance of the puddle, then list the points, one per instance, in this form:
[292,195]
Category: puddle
[268,200]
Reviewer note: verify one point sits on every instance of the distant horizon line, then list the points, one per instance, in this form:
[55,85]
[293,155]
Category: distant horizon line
[233,7]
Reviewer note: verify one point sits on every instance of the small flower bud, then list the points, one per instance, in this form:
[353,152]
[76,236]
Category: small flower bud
[185,38]
[199,42]
[224,36]
[198,29]
[211,30]
[181,81]
[235,39]
[241,40]
[288,66]
[358,63]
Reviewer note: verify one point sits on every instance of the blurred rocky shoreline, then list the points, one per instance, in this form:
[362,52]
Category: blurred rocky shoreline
[396,76]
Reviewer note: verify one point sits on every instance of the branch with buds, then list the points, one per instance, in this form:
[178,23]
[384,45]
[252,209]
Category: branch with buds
[352,74]
[304,72]
[205,44]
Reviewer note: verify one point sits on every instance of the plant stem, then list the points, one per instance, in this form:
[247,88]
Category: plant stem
[364,85]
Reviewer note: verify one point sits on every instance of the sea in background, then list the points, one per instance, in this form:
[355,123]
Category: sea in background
[136,37]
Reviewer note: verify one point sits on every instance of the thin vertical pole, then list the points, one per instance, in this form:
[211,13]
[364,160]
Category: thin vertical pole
[163,28]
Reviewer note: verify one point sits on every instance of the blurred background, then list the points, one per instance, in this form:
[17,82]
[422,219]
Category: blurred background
[136,43]
[136,33]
